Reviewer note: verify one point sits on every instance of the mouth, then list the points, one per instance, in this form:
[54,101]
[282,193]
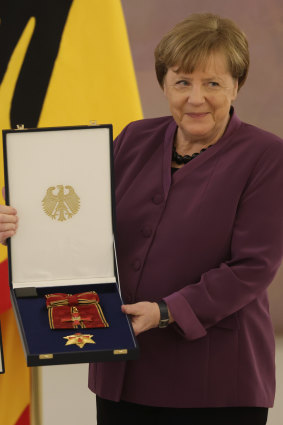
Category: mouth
[197,115]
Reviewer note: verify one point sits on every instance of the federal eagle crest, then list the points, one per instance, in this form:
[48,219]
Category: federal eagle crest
[61,202]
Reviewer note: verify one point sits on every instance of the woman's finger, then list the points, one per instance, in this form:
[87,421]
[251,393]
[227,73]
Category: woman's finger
[5,235]
[5,227]
[8,222]
[8,218]
[131,309]
[6,209]
[144,315]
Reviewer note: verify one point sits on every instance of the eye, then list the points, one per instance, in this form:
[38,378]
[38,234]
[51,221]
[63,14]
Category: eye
[182,83]
[213,84]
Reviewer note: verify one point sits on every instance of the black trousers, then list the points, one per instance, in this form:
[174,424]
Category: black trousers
[124,413]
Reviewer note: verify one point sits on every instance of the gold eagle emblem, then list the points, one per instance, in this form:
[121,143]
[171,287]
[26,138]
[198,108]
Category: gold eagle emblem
[61,202]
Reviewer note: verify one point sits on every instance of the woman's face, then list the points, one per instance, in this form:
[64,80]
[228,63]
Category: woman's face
[200,102]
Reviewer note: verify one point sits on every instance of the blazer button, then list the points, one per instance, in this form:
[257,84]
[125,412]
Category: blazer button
[136,265]
[146,231]
[157,199]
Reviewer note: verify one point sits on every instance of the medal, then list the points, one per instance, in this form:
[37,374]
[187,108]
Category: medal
[79,339]
[67,311]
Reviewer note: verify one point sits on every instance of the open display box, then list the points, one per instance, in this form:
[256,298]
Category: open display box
[60,180]
[2,368]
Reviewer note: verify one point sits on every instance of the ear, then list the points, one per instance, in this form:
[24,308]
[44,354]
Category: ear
[165,90]
[164,86]
[235,90]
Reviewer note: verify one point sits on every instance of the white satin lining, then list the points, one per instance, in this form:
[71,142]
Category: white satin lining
[80,249]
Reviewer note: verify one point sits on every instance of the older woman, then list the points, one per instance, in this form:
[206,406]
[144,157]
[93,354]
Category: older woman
[200,237]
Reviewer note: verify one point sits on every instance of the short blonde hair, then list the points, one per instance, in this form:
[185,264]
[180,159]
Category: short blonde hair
[191,42]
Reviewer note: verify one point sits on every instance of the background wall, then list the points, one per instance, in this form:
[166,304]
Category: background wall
[259,101]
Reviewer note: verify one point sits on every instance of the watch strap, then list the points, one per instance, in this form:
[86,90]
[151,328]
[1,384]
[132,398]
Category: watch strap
[164,314]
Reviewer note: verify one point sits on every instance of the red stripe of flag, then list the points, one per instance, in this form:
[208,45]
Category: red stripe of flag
[24,419]
[5,302]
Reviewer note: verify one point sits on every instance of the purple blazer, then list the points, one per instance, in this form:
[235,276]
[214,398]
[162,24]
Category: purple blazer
[209,241]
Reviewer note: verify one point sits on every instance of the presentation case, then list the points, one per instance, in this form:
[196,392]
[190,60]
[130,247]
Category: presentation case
[60,180]
[2,368]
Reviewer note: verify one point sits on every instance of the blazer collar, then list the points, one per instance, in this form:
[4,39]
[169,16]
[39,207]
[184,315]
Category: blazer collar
[233,125]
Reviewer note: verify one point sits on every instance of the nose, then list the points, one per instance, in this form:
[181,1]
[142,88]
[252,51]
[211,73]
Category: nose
[196,95]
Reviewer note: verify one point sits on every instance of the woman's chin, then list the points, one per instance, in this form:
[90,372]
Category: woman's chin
[196,131]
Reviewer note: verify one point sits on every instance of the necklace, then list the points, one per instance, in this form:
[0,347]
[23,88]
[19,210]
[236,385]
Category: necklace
[179,159]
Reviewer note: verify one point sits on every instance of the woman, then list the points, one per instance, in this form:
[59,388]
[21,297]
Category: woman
[199,238]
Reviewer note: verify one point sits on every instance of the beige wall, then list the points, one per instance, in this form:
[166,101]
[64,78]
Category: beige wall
[260,100]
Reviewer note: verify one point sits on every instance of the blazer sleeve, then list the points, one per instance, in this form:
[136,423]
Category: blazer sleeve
[256,253]
[119,140]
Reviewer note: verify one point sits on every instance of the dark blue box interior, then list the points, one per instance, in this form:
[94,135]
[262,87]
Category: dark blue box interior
[40,339]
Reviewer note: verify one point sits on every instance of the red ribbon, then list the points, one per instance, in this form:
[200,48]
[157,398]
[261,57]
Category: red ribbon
[66,311]
[58,299]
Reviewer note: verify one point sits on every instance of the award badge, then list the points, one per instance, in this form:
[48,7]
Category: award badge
[67,311]
[79,339]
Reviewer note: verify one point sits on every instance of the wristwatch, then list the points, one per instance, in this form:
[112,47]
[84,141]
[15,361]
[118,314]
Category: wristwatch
[164,314]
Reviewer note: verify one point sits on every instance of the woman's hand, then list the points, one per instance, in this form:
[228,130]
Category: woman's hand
[8,221]
[144,315]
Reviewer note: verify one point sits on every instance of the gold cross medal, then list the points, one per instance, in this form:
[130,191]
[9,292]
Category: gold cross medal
[79,339]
